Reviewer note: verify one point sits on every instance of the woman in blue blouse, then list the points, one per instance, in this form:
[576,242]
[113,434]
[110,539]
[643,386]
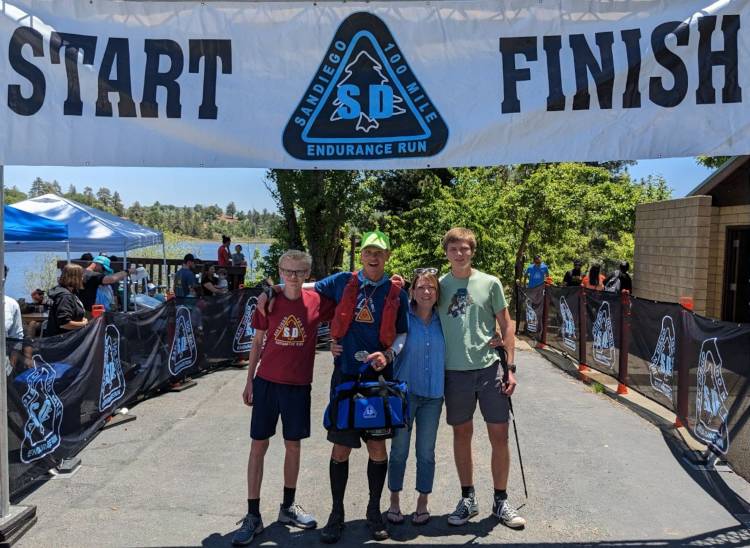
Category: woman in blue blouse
[421,365]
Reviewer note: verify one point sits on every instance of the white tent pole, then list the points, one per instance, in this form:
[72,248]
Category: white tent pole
[166,272]
[4,468]
[125,281]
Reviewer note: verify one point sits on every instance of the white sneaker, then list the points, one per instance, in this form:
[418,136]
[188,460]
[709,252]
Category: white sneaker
[507,514]
[295,515]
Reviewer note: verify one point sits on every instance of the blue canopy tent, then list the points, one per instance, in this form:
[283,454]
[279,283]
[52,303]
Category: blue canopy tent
[22,227]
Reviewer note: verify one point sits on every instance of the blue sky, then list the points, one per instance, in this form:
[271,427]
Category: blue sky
[190,186]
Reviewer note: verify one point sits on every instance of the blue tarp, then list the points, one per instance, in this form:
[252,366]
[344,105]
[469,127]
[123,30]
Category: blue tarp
[21,227]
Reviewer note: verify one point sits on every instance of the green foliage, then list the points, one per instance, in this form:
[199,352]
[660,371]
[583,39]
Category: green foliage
[712,162]
[42,272]
[560,211]
[13,195]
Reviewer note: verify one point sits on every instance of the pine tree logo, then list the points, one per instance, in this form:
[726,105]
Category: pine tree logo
[568,324]
[184,352]
[364,102]
[113,380]
[661,368]
[604,339]
[711,398]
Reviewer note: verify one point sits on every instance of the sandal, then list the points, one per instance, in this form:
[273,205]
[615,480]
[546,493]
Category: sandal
[396,518]
[417,515]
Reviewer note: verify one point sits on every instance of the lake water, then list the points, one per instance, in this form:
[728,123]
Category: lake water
[18,263]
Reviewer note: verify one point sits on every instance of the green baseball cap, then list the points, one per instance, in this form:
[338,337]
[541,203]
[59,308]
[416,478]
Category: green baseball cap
[375,239]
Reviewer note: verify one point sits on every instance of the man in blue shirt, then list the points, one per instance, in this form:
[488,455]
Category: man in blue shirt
[185,277]
[361,343]
[535,273]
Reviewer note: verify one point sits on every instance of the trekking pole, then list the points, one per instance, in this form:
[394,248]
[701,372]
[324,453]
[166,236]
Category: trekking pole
[504,365]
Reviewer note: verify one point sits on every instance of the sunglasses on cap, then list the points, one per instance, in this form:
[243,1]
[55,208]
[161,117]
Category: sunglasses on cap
[429,270]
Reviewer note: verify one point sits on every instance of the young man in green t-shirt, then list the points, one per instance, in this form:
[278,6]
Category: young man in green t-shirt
[471,303]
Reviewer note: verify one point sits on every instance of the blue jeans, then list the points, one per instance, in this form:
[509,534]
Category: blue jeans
[426,413]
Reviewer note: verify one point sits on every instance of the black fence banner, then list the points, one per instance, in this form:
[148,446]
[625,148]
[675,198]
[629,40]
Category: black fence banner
[532,306]
[564,320]
[652,363]
[603,318]
[665,341]
[719,402]
[62,389]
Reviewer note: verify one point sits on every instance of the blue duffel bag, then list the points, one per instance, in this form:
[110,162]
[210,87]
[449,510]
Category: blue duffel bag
[357,406]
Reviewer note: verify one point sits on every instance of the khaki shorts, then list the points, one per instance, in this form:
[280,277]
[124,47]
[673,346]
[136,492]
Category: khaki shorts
[464,388]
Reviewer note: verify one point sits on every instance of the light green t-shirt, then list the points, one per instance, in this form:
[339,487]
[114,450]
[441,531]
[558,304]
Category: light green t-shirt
[467,315]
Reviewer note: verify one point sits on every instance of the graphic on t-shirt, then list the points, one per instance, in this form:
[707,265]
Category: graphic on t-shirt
[662,362]
[243,338]
[290,332]
[113,380]
[184,351]
[531,320]
[710,400]
[44,410]
[460,301]
[604,339]
[365,311]
[568,325]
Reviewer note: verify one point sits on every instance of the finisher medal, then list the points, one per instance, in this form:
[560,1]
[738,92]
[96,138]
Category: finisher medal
[361,355]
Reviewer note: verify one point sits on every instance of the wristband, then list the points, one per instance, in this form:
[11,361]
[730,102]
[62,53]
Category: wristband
[389,355]
[512,368]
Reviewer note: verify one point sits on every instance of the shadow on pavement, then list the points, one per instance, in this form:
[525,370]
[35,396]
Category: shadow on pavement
[280,535]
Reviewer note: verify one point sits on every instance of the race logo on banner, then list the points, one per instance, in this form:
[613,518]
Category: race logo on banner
[531,321]
[710,400]
[604,339]
[364,102]
[184,351]
[243,338]
[568,325]
[662,362]
[44,410]
[113,380]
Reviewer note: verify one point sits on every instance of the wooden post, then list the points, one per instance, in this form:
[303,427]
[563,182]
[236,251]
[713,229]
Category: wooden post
[624,342]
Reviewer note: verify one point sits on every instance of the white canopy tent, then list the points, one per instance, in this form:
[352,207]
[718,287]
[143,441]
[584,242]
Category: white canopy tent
[90,228]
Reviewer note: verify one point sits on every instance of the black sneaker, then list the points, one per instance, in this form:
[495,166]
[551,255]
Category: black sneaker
[377,525]
[331,533]
[466,509]
[251,526]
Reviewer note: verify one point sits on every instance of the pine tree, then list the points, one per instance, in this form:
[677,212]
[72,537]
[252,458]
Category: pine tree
[117,204]
[231,210]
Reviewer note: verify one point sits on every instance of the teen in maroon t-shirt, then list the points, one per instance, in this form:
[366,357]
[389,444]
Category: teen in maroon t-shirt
[281,388]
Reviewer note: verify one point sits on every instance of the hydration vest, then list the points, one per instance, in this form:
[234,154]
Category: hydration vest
[348,304]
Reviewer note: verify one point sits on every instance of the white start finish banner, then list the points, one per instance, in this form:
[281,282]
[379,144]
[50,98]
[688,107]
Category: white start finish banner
[371,85]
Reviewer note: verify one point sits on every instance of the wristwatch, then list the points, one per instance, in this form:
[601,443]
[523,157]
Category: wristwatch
[390,355]
[270,293]
[512,368]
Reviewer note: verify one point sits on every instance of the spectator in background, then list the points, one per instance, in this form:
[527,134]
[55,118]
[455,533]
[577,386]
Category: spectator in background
[38,303]
[185,278]
[238,259]
[67,312]
[86,257]
[535,273]
[574,277]
[151,289]
[13,324]
[594,280]
[619,280]
[222,283]
[225,257]
[209,281]
[97,273]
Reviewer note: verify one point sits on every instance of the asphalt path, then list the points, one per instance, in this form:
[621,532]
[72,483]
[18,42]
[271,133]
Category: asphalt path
[598,474]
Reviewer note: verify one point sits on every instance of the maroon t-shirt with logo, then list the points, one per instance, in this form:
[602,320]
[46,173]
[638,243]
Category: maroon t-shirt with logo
[291,336]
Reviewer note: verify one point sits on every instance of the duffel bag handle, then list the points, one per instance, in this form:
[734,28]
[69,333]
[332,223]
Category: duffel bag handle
[386,402]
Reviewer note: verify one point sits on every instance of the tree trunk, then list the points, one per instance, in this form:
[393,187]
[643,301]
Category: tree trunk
[286,191]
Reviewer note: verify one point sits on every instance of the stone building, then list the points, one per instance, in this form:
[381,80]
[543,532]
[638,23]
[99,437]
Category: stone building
[699,246]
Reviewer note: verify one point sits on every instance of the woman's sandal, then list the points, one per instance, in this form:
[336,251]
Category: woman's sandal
[397,519]
[417,515]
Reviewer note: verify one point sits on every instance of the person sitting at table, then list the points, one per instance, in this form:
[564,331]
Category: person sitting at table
[151,289]
[209,281]
[38,303]
[67,312]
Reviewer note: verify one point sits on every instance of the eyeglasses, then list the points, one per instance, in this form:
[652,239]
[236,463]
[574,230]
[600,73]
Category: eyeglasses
[429,270]
[295,273]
